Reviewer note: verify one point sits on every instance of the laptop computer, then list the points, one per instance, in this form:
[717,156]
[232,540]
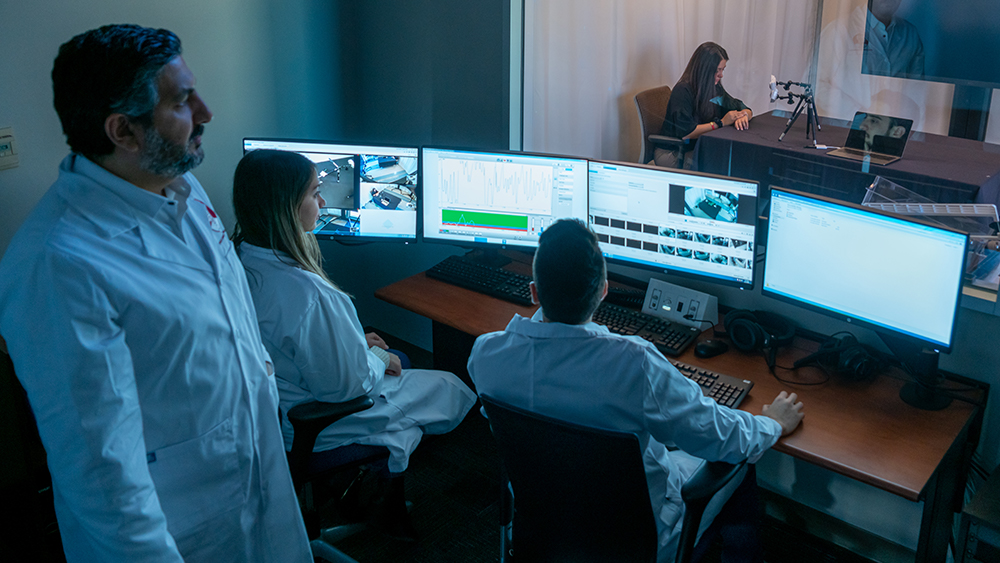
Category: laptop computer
[878,139]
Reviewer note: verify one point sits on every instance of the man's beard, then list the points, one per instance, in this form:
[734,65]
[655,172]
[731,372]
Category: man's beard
[163,158]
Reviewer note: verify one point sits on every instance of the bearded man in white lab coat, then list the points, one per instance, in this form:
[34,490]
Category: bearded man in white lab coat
[127,315]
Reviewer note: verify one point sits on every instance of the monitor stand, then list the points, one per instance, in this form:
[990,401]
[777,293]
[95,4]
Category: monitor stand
[923,392]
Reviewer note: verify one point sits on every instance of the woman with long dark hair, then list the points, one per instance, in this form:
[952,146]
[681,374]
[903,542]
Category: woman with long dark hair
[312,332]
[699,104]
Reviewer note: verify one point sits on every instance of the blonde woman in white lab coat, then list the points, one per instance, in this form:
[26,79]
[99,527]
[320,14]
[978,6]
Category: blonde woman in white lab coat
[312,332]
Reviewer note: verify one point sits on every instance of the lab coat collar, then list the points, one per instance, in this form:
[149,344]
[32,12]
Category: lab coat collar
[268,254]
[89,186]
[115,207]
[877,26]
[535,327]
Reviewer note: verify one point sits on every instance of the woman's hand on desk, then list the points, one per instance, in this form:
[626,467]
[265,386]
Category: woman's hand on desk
[786,410]
[739,119]
[373,339]
[395,367]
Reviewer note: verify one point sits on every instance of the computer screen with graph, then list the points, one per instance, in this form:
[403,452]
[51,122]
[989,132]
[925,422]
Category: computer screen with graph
[675,221]
[498,198]
[371,191]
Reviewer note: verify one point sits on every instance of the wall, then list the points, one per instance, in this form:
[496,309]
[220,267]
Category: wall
[416,72]
[227,44]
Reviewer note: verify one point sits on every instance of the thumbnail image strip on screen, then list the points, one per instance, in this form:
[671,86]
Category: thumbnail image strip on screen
[674,221]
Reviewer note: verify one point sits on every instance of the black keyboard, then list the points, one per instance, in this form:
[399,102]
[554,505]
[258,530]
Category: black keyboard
[726,390]
[489,280]
[670,338]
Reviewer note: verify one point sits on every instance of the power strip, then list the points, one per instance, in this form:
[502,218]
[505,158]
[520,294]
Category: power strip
[680,304]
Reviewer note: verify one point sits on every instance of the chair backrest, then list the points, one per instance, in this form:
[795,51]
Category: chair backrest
[580,493]
[652,107]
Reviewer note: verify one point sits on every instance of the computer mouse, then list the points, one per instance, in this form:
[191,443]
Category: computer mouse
[710,348]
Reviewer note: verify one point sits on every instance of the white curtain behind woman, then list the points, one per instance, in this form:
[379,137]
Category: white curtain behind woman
[585,60]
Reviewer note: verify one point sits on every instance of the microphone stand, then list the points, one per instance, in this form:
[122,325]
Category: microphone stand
[805,103]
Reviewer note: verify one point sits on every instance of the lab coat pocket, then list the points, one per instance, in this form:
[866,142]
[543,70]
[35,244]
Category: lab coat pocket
[198,479]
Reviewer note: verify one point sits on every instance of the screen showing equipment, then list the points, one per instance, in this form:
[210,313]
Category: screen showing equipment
[893,274]
[675,221]
[370,191]
[498,198]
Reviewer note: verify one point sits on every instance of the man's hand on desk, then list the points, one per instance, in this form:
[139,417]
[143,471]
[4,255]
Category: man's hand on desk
[786,410]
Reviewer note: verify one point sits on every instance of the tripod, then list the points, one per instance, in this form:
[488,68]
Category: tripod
[805,103]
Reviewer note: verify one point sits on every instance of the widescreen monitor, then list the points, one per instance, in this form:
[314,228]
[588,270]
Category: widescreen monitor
[897,275]
[674,221]
[498,198]
[371,191]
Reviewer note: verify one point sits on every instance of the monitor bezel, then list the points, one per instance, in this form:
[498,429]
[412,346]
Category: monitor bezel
[680,272]
[347,239]
[857,321]
[529,248]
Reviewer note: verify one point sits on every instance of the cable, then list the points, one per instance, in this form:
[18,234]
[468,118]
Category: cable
[691,318]
[803,383]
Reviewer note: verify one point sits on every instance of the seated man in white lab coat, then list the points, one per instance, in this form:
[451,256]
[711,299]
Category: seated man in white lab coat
[560,364]
[128,317]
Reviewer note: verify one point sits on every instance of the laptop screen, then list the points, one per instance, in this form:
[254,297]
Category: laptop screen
[881,134]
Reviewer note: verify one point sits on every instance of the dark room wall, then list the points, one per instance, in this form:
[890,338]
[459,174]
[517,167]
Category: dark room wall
[423,72]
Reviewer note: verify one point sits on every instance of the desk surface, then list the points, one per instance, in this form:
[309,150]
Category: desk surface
[859,429]
[947,169]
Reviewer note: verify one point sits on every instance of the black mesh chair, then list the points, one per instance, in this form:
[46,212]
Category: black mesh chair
[308,420]
[580,494]
[652,107]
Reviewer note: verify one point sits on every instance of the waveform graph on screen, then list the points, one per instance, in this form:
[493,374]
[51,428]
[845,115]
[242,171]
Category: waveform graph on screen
[484,220]
[499,186]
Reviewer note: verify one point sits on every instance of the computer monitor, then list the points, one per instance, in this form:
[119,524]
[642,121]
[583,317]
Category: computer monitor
[897,275]
[498,198]
[675,221]
[371,191]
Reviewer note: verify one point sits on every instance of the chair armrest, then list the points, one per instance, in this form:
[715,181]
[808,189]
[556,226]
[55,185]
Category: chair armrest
[697,492]
[709,479]
[317,412]
[664,142]
[309,419]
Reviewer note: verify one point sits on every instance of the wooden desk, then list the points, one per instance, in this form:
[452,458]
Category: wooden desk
[945,169]
[859,429]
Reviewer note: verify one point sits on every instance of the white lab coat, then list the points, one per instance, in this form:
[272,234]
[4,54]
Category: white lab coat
[146,375]
[587,375]
[313,334]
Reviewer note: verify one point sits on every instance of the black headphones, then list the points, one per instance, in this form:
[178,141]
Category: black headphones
[845,356]
[758,330]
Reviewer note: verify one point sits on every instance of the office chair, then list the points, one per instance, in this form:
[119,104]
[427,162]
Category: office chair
[652,107]
[571,486]
[309,419]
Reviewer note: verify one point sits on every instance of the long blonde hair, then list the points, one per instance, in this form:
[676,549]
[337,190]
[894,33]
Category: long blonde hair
[268,189]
